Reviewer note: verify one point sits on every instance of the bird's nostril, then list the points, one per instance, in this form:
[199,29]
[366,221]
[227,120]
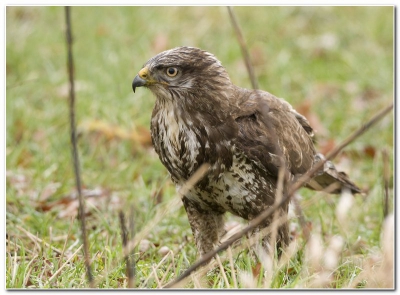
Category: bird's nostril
[143,73]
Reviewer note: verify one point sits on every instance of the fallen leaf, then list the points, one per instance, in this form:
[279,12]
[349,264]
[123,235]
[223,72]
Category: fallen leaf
[68,205]
[17,180]
[256,270]
[291,271]
[370,94]
[24,158]
[140,134]
[48,191]
[370,151]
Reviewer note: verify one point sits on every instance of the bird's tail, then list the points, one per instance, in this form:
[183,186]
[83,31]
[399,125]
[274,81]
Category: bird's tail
[331,180]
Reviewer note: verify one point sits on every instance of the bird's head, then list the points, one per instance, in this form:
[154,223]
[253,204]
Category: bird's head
[182,71]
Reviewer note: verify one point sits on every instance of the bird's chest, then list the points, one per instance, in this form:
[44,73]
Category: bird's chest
[175,143]
[242,190]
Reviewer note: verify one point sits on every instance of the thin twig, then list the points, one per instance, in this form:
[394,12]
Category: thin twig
[292,189]
[243,47]
[194,179]
[385,159]
[131,270]
[130,263]
[74,145]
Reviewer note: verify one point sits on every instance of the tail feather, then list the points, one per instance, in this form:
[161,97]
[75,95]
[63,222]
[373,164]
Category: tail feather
[328,176]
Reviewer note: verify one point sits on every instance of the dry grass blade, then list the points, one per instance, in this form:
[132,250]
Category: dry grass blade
[221,267]
[167,270]
[74,144]
[195,178]
[65,263]
[37,240]
[243,47]
[27,274]
[235,285]
[158,265]
[292,189]
[9,242]
[156,276]
[15,267]
[65,242]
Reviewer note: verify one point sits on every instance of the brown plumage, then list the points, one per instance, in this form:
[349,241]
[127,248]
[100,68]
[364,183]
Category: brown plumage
[201,117]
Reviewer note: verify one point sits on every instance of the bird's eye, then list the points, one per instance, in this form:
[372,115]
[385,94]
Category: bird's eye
[172,72]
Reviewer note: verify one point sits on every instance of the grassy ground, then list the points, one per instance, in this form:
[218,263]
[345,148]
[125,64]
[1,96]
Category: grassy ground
[334,64]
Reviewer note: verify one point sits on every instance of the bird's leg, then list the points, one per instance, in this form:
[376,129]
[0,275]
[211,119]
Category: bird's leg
[281,234]
[207,226]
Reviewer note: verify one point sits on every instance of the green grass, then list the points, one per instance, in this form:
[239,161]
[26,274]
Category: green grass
[339,59]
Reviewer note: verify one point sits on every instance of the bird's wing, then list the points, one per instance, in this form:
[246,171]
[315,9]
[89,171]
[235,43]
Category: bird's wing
[268,127]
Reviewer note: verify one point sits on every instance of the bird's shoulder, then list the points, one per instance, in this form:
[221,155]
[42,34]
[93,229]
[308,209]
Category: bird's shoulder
[268,126]
[258,102]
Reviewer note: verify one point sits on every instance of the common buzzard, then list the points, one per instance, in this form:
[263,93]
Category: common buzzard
[201,117]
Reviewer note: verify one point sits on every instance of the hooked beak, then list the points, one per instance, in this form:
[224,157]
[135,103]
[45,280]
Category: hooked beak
[140,79]
[138,82]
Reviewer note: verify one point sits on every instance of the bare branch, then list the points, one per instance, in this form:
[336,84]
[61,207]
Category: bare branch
[74,144]
[243,47]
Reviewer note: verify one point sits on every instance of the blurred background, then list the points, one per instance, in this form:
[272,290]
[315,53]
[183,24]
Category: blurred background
[333,64]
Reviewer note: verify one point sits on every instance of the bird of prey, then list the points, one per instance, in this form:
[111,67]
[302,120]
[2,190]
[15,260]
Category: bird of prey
[245,136]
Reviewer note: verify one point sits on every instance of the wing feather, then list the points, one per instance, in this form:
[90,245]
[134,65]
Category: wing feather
[269,126]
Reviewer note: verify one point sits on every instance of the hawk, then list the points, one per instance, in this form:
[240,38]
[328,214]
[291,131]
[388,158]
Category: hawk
[245,136]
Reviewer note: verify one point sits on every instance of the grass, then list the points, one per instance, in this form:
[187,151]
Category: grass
[334,64]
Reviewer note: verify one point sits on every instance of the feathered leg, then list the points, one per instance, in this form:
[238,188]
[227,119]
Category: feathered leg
[207,226]
[280,233]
